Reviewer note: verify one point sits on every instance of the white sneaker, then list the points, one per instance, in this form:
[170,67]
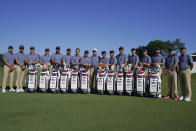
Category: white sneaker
[12,90]
[181,98]
[3,91]
[17,90]
[159,96]
[187,99]
[21,90]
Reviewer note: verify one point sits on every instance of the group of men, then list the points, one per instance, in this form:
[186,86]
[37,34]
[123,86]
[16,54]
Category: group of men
[171,63]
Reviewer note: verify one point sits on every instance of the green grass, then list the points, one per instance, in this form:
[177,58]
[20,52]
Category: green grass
[60,112]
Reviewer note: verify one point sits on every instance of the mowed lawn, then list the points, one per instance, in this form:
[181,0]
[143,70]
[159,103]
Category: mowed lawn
[89,112]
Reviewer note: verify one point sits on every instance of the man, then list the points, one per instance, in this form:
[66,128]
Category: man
[185,67]
[103,61]
[32,58]
[145,61]
[20,59]
[157,60]
[93,69]
[57,58]
[45,59]
[8,59]
[75,60]
[171,63]
[133,59]
[121,58]
[86,63]
[67,58]
[112,60]
[85,60]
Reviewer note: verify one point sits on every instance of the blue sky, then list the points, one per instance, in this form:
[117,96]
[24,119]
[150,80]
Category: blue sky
[104,24]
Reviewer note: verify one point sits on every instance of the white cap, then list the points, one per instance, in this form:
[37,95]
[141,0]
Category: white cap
[94,49]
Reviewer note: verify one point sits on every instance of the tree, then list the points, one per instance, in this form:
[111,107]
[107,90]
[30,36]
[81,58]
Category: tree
[1,60]
[163,45]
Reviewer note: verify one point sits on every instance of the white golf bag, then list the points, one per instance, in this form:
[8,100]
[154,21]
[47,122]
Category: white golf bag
[129,81]
[101,78]
[44,79]
[110,81]
[154,81]
[31,78]
[120,80]
[64,79]
[74,79]
[140,81]
[84,81]
[54,79]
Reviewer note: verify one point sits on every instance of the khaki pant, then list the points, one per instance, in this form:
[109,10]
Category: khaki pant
[93,74]
[5,75]
[20,77]
[185,82]
[172,83]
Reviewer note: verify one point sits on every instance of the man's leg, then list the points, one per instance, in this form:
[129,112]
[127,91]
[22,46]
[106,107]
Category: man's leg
[5,74]
[175,83]
[182,83]
[21,79]
[169,82]
[18,77]
[188,92]
[11,79]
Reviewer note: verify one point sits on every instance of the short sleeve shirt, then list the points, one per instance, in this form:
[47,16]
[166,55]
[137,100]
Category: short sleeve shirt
[133,59]
[185,61]
[9,57]
[57,57]
[21,57]
[170,61]
[32,57]
[121,59]
[67,59]
[45,59]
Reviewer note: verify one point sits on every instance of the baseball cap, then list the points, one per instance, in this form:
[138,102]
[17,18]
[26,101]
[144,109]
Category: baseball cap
[103,52]
[21,47]
[133,49]
[121,48]
[32,48]
[144,50]
[68,49]
[94,49]
[10,47]
[112,51]
[86,51]
[171,49]
[158,49]
[47,49]
[58,47]
[182,48]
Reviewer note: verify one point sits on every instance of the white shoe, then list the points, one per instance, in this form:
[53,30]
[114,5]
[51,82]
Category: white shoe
[181,98]
[21,90]
[17,90]
[187,99]
[3,91]
[12,90]
[159,96]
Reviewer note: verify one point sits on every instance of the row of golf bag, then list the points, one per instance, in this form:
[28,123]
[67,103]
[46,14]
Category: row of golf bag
[109,80]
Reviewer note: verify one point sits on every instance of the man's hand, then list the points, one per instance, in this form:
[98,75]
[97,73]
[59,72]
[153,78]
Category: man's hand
[29,62]
[156,64]
[168,71]
[23,68]
[12,68]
